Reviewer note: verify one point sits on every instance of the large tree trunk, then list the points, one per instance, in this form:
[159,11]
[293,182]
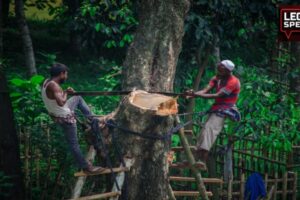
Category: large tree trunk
[26,38]
[295,82]
[150,65]
[9,145]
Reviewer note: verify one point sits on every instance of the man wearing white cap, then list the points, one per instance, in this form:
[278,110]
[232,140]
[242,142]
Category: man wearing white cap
[227,88]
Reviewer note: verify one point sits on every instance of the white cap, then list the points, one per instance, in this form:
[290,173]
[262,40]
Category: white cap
[228,64]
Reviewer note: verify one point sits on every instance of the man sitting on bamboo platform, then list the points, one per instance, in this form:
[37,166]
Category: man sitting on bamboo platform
[62,110]
[227,88]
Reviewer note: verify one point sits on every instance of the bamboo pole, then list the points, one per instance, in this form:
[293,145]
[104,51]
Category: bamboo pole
[275,186]
[221,189]
[49,166]
[48,171]
[57,181]
[192,179]
[171,193]
[191,159]
[26,162]
[284,186]
[259,157]
[252,157]
[228,165]
[81,180]
[104,171]
[190,193]
[270,193]
[120,178]
[229,193]
[295,186]
[37,167]
[266,181]
[242,186]
[98,196]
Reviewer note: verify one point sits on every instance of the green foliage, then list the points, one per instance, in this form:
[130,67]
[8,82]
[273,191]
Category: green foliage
[269,113]
[107,80]
[108,23]
[4,184]
[40,4]
[26,100]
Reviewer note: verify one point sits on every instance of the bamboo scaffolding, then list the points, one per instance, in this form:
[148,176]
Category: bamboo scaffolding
[275,186]
[242,186]
[182,148]
[284,190]
[295,186]
[190,193]
[99,196]
[37,167]
[190,157]
[192,179]
[259,157]
[104,171]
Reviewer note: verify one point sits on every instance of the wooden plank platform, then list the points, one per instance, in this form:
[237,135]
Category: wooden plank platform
[180,148]
[99,196]
[180,165]
[188,132]
[192,179]
[105,171]
[190,193]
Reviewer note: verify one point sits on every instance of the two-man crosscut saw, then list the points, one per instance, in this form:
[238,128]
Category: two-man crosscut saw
[118,93]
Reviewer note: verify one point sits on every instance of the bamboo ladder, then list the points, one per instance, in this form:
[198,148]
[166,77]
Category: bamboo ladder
[113,195]
[194,166]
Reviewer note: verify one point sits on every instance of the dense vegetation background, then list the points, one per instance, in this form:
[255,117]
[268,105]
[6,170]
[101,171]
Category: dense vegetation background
[91,38]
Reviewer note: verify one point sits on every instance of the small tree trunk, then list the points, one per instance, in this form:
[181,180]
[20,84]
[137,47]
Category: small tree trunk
[10,162]
[26,38]
[216,50]
[202,63]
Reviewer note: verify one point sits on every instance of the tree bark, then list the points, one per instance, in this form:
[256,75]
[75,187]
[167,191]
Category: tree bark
[150,64]
[295,82]
[10,162]
[26,38]
[152,57]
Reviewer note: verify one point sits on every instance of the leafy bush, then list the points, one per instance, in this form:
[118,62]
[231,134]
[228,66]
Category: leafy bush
[4,184]
[26,100]
[101,22]
[269,111]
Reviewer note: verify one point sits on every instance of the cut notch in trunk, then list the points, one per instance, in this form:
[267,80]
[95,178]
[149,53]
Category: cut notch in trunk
[160,104]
